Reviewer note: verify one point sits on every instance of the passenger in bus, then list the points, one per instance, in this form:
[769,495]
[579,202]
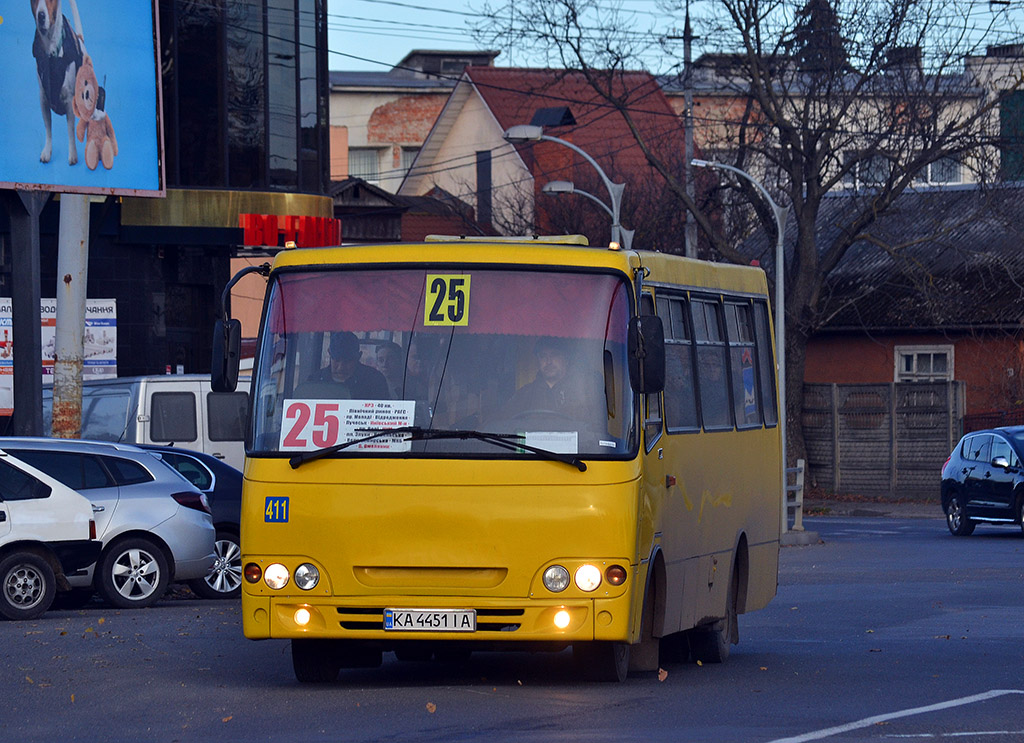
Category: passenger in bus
[405,373]
[363,382]
[389,363]
[558,388]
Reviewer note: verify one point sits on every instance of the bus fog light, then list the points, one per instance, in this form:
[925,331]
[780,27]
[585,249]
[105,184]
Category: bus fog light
[306,576]
[588,577]
[276,575]
[561,619]
[556,579]
[253,572]
[301,614]
[616,575]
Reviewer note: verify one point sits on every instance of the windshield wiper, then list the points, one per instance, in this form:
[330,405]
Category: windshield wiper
[510,441]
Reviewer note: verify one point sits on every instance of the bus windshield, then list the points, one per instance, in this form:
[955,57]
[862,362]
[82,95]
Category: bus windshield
[534,356]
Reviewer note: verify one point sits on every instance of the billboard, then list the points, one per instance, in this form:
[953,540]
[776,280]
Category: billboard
[81,103]
[99,356]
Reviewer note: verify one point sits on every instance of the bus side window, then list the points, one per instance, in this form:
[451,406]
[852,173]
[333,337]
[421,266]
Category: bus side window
[712,379]
[680,391]
[745,397]
[651,403]
[765,363]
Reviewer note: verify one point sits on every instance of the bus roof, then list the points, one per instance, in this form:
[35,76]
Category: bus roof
[663,268]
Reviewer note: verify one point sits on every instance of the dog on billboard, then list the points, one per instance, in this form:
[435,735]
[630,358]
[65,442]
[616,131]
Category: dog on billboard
[58,51]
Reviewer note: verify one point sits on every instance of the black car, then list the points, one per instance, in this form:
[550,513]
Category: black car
[222,484]
[983,480]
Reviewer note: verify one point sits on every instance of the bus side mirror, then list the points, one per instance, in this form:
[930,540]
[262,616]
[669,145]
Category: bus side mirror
[227,346]
[646,351]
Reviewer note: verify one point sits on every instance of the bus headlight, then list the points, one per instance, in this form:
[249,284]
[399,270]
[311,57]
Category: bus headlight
[276,575]
[556,579]
[588,577]
[306,576]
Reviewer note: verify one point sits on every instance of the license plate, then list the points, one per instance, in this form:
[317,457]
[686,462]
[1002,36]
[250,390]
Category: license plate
[430,620]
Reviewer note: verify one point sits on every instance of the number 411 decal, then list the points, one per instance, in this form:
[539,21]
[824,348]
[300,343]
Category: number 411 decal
[276,510]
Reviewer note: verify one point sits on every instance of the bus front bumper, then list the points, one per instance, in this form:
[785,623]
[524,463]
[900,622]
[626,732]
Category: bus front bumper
[496,620]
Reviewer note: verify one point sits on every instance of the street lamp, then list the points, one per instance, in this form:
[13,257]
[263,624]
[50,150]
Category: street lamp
[530,133]
[554,188]
[781,213]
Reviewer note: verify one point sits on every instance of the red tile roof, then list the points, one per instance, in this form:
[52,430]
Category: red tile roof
[514,94]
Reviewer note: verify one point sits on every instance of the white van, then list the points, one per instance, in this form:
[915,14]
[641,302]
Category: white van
[177,409]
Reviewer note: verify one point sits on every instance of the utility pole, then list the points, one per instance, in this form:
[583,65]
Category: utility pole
[690,233]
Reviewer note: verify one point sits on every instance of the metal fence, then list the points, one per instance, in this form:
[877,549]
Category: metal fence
[881,439]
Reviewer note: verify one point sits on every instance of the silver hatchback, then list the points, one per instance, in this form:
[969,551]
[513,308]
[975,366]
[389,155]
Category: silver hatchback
[154,525]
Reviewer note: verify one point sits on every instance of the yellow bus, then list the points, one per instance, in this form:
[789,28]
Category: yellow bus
[472,444]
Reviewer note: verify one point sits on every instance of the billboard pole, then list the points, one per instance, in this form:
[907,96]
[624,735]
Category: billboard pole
[69,354]
[24,209]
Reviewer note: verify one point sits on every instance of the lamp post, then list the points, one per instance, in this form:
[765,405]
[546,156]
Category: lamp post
[781,213]
[553,188]
[530,133]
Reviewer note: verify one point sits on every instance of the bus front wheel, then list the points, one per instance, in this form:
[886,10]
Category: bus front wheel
[315,661]
[602,661]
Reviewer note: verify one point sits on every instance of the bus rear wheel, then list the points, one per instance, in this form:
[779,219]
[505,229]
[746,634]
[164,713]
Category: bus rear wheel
[711,644]
[602,661]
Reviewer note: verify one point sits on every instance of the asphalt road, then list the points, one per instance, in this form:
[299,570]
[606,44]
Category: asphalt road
[889,630]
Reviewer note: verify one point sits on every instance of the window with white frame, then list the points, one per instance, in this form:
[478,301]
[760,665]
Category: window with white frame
[408,157]
[364,163]
[924,363]
[945,170]
[867,170]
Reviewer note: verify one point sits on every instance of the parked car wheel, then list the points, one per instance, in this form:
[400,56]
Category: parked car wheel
[959,524]
[224,581]
[133,573]
[28,586]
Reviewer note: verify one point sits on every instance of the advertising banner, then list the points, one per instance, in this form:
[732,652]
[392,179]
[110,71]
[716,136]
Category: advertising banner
[100,353]
[81,108]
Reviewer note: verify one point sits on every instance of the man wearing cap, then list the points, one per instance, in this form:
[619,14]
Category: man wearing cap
[363,382]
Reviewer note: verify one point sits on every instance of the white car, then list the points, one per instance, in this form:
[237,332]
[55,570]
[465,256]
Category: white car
[47,532]
[156,528]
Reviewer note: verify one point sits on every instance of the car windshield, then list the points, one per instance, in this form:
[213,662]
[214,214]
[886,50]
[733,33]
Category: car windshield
[538,355]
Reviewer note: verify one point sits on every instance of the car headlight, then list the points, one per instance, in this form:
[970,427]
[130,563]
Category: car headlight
[276,575]
[588,577]
[306,576]
[556,578]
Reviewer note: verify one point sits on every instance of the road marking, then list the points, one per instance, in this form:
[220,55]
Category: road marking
[869,721]
[959,735]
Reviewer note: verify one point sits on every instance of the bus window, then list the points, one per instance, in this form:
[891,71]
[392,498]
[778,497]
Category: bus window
[711,365]
[447,351]
[765,363]
[651,403]
[680,392]
[746,401]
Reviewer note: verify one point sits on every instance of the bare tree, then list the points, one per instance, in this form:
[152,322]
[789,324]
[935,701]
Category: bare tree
[868,95]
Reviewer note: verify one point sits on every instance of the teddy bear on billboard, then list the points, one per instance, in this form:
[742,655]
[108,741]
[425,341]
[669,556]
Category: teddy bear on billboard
[94,126]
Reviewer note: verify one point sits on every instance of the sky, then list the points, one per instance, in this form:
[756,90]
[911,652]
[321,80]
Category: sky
[376,34]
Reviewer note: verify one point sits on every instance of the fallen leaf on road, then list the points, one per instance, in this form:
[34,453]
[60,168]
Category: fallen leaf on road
[431,707]
[29,679]
[662,674]
[227,719]
[699,663]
